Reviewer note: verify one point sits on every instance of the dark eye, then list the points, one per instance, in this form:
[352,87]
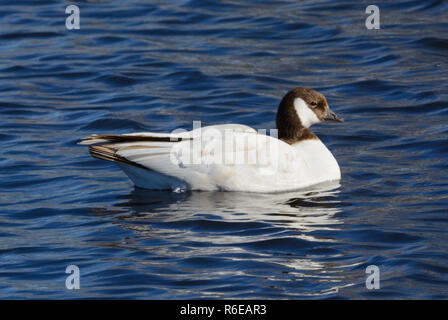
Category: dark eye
[313,104]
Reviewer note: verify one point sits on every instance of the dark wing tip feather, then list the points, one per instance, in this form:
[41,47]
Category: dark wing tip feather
[109,154]
[104,146]
[116,138]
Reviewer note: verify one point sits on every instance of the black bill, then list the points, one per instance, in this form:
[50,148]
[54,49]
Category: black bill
[331,116]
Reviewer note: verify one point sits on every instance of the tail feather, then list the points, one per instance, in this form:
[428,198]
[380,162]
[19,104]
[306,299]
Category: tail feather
[96,139]
[107,146]
[107,153]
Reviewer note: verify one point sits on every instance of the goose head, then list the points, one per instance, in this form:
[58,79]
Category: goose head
[299,109]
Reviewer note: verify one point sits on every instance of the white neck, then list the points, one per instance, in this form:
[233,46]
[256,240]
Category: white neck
[306,115]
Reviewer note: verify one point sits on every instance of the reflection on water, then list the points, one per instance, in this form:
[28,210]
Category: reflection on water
[295,210]
[225,230]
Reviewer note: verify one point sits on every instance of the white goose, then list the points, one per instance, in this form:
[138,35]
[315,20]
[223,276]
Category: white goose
[230,157]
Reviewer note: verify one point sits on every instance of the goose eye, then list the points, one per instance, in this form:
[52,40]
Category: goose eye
[313,104]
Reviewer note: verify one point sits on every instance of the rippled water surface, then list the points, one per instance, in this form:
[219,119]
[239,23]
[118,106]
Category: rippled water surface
[149,65]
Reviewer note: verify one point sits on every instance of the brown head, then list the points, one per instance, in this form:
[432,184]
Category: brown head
[299,109]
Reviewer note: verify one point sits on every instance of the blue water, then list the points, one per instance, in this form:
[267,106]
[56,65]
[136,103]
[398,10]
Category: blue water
[148,65]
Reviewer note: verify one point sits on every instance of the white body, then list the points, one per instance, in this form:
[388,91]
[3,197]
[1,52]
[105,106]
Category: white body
[212,160]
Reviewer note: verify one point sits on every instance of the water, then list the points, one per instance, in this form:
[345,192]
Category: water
[136,66]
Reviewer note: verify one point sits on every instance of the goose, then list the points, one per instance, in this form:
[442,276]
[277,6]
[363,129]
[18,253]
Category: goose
[230,157]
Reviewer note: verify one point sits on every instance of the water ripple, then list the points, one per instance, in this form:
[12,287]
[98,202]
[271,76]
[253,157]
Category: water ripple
[158,66]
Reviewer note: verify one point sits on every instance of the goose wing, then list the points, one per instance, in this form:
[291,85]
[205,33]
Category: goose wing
[229,157]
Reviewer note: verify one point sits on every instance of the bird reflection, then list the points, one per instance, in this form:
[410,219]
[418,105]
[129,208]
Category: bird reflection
[303,210]
[285,233]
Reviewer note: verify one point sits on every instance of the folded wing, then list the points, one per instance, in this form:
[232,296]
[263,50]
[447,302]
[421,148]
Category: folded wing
[226,157]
